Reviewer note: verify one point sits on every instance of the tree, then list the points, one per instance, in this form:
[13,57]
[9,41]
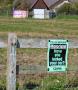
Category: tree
[76,8]
[67,9]
[20,4]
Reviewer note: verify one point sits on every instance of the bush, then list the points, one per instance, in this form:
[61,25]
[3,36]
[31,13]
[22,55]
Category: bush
[2,83]
[68,9]
[76,7]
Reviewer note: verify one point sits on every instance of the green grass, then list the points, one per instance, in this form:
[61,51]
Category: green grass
[2,82]
[54,83]
[58,27]
[3,56]
[67,17]
[48,83]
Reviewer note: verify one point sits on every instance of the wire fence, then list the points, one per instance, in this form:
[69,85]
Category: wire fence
[6,12]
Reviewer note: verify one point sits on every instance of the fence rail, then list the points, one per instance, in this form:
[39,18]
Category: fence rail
[38,43]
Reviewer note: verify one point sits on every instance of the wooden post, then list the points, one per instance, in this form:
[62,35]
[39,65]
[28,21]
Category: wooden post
[11,62]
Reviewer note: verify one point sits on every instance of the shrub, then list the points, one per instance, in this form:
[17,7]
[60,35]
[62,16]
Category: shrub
[68,9]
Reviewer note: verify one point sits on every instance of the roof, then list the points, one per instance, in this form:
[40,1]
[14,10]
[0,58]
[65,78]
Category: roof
[49,3]
[40,4]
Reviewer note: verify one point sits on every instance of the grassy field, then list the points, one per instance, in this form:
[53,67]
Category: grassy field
[59,27]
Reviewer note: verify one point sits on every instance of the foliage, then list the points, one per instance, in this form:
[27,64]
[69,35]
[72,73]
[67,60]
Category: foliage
[17,85]
[48,83]
[6,7]
[2,82]
[68,9]
[20,4]
[3,56]
[53,83]
[6,3]
[75,17]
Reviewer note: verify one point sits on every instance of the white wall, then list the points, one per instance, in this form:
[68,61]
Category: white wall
[40,13]
[20,14]
[46,15]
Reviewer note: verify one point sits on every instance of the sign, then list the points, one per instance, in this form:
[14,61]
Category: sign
[57,55]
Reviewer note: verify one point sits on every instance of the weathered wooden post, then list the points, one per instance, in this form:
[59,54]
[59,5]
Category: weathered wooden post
[11,62]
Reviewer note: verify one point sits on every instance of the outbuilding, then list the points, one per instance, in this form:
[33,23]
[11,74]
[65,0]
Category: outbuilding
[20,9]
[40,9]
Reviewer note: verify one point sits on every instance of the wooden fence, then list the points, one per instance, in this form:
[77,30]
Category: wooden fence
[14,43]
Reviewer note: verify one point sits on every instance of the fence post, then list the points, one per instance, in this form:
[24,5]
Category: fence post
[11,62]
